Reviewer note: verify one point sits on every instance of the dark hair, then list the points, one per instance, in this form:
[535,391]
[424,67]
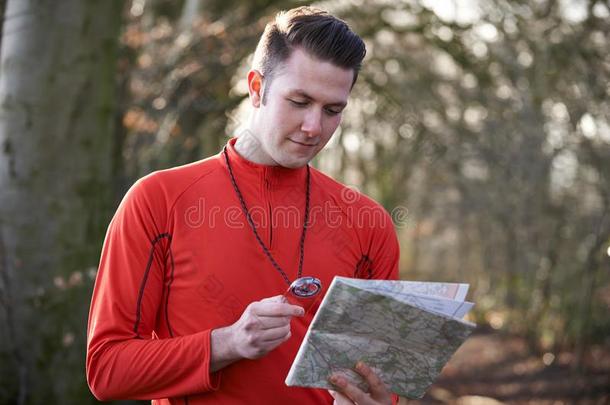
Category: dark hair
[310,29]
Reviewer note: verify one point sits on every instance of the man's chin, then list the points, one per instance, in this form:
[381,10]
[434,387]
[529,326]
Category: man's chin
[292,163]
[295,165]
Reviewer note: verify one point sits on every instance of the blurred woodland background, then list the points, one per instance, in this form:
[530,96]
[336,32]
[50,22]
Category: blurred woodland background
[482,126]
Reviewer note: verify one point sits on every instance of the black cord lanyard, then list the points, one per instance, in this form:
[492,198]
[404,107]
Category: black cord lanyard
[251,222]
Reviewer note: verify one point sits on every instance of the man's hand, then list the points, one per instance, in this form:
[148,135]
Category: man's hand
[348,394]
[263,326]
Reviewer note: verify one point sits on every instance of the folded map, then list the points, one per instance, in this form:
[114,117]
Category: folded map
[406,331]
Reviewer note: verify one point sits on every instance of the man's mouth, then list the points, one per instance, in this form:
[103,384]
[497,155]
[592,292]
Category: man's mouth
[304,144]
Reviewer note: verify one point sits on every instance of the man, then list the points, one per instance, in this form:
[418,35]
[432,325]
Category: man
[188,300]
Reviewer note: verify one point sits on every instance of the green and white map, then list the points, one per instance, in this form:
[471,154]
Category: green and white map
[405,331]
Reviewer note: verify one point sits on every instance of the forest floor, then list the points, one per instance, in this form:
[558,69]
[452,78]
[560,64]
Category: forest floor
[491,369]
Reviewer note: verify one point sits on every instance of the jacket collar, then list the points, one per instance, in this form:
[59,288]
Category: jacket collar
[246,170]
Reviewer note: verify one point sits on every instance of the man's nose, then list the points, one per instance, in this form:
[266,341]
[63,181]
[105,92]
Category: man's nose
[312,122]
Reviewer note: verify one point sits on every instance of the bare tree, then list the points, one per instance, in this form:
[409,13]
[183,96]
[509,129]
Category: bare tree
[57,99]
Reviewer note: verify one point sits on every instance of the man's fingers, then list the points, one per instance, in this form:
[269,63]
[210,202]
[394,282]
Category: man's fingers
[275,334]
[380,394]
[276,298]
[340,399]
[278,341]
[354,393]
[378,388]
[277,309]
[272,322]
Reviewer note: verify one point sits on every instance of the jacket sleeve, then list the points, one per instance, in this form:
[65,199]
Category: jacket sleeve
[123,360]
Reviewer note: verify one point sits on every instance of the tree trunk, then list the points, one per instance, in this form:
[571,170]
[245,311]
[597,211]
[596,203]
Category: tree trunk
[190,11]
[2,17]
[57,99]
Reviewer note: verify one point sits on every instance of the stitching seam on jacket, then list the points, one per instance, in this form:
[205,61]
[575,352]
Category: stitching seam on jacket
[145,278]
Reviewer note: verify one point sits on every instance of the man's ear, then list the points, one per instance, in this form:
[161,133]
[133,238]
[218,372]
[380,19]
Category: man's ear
[255,87]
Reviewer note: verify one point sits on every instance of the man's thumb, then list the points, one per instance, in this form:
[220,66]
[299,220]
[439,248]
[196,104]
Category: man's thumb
[276,298]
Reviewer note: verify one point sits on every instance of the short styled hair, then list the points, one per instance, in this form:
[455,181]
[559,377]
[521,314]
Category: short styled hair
[312,30]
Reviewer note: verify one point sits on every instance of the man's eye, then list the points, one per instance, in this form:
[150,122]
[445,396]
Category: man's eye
[298,103]
[332,112]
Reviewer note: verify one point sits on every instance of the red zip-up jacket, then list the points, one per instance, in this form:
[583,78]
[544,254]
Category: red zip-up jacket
[180,260]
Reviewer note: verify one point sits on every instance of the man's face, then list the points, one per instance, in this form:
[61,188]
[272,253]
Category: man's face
[302,109]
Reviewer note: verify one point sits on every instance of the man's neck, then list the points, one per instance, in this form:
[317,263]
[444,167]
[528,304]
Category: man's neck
[250,148]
